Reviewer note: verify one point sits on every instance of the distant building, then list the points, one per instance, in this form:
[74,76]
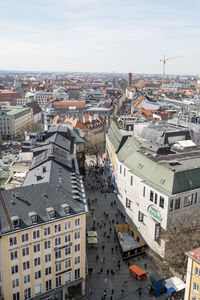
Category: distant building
[37,111]
[129,79]
[9,96]
[13,119]
[42,97]
[193,275]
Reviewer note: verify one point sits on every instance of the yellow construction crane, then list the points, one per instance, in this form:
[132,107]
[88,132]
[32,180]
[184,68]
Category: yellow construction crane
[163,60]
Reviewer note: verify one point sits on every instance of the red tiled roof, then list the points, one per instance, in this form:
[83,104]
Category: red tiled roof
[67,104]
[194,254]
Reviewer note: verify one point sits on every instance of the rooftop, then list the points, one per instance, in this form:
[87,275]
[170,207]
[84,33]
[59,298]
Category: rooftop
[194,254]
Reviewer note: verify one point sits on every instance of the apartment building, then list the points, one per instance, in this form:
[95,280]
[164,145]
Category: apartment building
[192,289]
[155,182]
[43,228]
[13,119]
[42,97]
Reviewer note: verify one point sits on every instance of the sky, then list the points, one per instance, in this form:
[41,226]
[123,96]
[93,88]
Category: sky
[100,35]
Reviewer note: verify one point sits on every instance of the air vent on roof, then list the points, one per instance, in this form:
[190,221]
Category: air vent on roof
[66,208]
[51,212]
[33,216]
[15,221]
[44,169]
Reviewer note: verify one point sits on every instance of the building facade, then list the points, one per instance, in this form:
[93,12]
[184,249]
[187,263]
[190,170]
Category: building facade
[192,290]
[13,119]
[43,226]
[152,188]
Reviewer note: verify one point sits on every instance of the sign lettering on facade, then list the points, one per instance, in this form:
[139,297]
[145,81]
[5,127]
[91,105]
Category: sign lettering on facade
[154,212]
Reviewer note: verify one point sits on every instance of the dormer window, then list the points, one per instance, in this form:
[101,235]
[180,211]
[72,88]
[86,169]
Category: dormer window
[15,221]
[66,208]
[51,212]
[33,216]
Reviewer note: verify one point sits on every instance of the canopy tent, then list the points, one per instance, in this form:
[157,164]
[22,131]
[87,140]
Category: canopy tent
[92,240]
[174,283]
[92,234]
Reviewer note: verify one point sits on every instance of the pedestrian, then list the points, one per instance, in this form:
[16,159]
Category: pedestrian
[104,213]
[112,291]
[101,270]
[112,221]
[104,259]
[125,283]
[105,282]
[111,297]
[112,249]
[111,204]
[90,291]
[129,263]
[108,271]
[97,257]
[105,196]
[122,292]
[103,247]
[110,229]
[116,247]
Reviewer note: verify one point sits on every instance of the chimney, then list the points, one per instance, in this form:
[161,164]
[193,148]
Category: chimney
[90,118]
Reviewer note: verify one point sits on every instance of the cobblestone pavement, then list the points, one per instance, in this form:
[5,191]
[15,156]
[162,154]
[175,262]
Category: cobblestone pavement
[99,260]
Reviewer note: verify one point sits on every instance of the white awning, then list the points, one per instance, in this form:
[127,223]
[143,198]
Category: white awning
[176,283]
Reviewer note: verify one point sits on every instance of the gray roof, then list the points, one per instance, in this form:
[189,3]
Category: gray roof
[41,190]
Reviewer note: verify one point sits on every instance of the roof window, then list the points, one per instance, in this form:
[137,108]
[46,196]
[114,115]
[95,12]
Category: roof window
[15,221]
[51,212]
[66,208]
[33,216]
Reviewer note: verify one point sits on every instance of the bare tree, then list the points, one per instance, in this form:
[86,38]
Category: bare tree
[182,235]
[94,148]
[30,127]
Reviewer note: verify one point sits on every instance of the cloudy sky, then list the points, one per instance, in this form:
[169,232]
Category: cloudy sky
[100,35]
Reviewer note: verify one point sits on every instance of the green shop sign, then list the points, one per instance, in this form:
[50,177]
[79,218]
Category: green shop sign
[154,212]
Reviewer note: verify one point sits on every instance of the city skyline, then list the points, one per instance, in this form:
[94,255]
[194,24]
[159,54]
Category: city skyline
[100,36]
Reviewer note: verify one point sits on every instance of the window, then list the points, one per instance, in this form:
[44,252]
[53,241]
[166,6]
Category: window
[57,241]
[197,271]
[25,251]
[120,169]
[124,172]
[171,204]
[48,271]
[161,202]
[15,283]
[36,248]
[36,234]
[13,241]
[37,261]
[48,285]
[67,225]
[38,289]
[156,198]
[77,260]
[26,265]
[77,248]
[47,231]
[195,286]
[131,183]
[38,274]
[77,222]
[195,199]
[67,238]
[128,203]
[47,244]
[77,273]
[58,281]
[16,296]
[140,216]
[67,250]
[27,293]
[67,276]
[13,255]
[58,267]
[68,263]
[77,235]
[27,278]
[24,237]
[188,200]
[157,231]
[144,191]
[14,269]
[57,228]
[48,257]
[177,203]
[151,196]
[57,254]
